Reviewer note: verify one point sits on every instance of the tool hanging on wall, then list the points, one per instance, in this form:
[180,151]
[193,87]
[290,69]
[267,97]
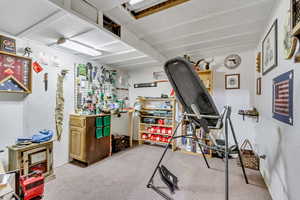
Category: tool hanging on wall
[46,81]
[90,72]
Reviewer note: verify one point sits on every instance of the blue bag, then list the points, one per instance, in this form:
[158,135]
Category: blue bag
[42,136]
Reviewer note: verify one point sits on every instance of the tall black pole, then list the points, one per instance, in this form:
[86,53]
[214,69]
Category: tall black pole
[201,149]
[226,160]
[239,152]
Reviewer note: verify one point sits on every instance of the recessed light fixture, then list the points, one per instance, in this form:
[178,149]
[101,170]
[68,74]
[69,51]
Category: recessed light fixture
[79,47]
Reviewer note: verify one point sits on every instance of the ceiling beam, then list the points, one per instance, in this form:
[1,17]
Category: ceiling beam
[114,54]
[42,23]
[121,61]
[137,64]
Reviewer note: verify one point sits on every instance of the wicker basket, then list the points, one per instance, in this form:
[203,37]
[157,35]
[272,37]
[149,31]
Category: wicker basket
[249,157]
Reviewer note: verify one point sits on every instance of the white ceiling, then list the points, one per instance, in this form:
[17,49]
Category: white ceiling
[199,28]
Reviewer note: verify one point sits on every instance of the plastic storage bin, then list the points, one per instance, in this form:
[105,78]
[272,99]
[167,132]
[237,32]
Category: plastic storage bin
[99,122]
[106,131]
[99,133]
[106,120]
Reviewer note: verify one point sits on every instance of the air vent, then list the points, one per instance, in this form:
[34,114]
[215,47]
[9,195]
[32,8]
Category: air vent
[111,26]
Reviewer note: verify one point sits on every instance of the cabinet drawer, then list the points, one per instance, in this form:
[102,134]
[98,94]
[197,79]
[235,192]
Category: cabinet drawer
[77,121]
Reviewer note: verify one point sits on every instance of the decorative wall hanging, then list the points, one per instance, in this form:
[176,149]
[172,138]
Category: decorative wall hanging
[232,61]
[295,15]
[37,67]
[143,85]
[289,42]
[60,104]
[283,97]
[258,86]
[269,50]
[297,54]
[15,73]
[232,81]
[7,44]
[258,62]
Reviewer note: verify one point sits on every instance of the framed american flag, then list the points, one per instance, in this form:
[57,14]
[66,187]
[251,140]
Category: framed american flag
[283,97]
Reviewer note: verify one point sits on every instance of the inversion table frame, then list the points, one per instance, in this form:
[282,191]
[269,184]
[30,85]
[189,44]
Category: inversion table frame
[228,123]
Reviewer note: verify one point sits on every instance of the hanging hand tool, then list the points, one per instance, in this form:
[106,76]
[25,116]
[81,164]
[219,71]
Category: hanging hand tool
[46,81]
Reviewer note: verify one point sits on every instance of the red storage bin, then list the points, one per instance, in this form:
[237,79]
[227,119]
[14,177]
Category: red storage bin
[161,121]
[170,131]
[158,138]
[145,136]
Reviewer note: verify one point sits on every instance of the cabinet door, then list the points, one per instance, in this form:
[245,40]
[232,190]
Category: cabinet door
[77,143]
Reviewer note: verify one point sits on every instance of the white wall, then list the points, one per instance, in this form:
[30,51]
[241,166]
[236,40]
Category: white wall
[278,141]
[26,115]
[238,99]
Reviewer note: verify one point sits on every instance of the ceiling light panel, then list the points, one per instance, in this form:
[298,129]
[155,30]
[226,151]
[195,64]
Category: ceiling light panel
[80,48]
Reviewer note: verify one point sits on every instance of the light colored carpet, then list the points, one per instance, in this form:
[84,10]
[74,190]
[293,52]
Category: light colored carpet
[124,177]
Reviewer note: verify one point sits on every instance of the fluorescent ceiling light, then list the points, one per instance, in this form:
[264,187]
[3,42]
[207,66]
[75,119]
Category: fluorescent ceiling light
[79,47]
[133,2]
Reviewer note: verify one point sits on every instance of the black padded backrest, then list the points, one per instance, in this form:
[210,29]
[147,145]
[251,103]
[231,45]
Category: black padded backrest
[189,88]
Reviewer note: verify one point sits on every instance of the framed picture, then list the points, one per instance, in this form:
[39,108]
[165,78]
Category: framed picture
[232,81]
[258,86]
[269,49]
[15,73]
[282,106]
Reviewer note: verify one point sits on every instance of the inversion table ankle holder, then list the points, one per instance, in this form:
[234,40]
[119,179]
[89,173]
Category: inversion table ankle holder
[200,111]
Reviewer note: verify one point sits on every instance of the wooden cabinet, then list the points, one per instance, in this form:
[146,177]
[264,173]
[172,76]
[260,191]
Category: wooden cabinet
[36,156]
[77,143]
[85,146]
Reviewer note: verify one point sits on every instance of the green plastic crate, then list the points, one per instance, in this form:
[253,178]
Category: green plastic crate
[99,133]
[106,120]
[99,122]
[106,131]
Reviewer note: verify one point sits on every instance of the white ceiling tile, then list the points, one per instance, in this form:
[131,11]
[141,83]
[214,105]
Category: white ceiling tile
[16,15]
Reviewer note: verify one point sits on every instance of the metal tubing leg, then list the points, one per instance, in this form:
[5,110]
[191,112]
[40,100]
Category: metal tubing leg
[163,155]
[197,140]
[226,161]
[239,152]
